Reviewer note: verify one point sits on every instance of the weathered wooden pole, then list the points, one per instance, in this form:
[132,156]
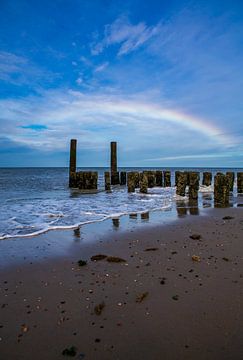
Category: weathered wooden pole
[151,178]
[221,190]
[131,181]
[181,183]
[207,178]
[114,173]
[72,163]
[123,178]
[159,178]
[193,185]
[231,178]
[240,182]
[167,180]
[143,183]
[107,181]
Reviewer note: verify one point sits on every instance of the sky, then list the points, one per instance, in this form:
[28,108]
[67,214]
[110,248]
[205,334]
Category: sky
[162,78]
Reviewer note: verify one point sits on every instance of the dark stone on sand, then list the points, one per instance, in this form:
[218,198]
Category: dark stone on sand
[225,259]
[141,297]
[72,351]
[99,308]
[151,249]
[175,297]
[195,236]
[228,217]
[82,262]
[98,257]
[115,259]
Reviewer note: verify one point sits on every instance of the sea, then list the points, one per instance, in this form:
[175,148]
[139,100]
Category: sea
[36,200]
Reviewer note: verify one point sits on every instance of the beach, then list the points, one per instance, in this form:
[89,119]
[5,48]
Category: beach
[166,287]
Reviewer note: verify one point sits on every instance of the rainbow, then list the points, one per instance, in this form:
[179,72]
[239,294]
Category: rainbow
[148,111]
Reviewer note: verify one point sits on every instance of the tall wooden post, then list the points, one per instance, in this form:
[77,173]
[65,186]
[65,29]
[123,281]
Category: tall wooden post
[114,173]
[72,163]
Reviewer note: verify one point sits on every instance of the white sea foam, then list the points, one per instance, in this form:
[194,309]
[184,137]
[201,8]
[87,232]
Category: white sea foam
[34,201]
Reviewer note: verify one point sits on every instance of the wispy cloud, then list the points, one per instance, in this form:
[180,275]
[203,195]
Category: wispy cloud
[101,67]
[126,35]
[19,70]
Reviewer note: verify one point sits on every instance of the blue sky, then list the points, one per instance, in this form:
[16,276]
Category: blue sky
[163,78]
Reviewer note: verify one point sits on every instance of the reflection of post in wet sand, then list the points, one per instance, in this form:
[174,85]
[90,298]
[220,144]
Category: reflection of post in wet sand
[133,216]
[207,200]
[145,216]
[116,222]
[193,207]
[76,232]
[181,208]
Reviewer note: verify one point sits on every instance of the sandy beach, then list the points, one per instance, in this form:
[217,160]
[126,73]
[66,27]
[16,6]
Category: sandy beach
[175,291]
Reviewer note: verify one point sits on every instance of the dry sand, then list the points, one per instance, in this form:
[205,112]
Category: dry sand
[174,297]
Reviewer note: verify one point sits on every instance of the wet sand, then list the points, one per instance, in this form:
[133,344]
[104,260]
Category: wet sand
[177,295]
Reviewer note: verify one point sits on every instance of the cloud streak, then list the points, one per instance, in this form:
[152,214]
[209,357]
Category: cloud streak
[127,36]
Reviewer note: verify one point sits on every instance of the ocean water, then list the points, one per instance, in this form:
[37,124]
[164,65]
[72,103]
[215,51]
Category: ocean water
[34,200]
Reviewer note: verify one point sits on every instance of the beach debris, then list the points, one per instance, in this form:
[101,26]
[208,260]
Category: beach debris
[151,249]
[175,297]
[72,351]
[195,236]
[82,262]
[196,258]
[99,308]
[24,328]
[141,297]
[115,259]
[98,257]
[228,217]
[225,258]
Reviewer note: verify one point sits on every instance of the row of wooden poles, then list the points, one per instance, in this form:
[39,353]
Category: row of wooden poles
[184,180]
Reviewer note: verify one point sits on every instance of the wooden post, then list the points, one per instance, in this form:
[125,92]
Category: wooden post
[131,181]
[207,178]
[240,182]
[114,173]
[159,178]
[143,183]
[167,179]
[123,178]
[107,181]
[231,177]
[221,190]
[193,185]
[181,183]
[72,163]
